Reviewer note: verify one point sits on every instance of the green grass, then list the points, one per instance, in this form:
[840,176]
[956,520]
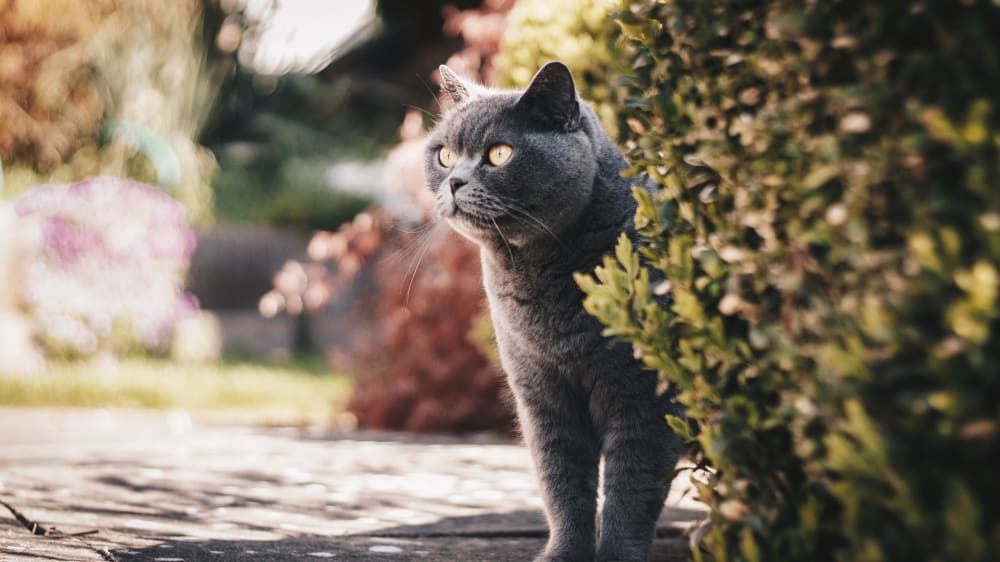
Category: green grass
[302,391]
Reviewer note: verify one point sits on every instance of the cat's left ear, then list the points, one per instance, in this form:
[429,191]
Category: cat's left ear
[457,88]
[551,96]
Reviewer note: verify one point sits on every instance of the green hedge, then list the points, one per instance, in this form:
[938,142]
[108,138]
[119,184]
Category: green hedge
[576,32]
[829,222]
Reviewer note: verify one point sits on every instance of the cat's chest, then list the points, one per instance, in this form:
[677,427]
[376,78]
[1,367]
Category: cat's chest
[541,321]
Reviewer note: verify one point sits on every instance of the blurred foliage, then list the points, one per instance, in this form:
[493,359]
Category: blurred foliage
[278,175]
[296,196]
[482,335]
[413,299]
[106,263]
[161,89]
[118,87]
[574,32]
[423,370]
[49,104]
[299,392]
[481,30]
[829,223]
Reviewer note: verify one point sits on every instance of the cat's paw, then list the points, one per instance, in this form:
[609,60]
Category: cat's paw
[565,557]
[639,554]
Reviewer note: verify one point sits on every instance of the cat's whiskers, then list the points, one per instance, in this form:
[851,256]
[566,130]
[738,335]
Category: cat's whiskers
[504,238]
[424,227]
[426,242]
[516,211]
[434,117]
[420,236]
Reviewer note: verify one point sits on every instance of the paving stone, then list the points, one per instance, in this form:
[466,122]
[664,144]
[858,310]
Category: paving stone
[164,486]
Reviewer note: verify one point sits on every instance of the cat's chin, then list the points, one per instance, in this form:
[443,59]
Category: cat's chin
[484,231]
[479,235]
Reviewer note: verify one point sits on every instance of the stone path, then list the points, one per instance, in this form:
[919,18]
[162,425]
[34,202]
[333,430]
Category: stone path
[164,487]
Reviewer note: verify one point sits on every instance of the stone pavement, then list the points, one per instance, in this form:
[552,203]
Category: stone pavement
[113,485]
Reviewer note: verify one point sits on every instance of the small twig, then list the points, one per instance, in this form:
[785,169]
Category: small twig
[28,524]
[37,529]
[57,532]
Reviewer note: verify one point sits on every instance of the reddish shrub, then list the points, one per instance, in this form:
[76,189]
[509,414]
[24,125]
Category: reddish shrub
[426,374]
[415,298]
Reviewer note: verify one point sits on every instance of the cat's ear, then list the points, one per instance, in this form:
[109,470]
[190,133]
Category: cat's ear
[552,96]
[457,88]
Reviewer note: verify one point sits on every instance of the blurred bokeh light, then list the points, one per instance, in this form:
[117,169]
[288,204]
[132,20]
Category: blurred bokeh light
[285,36]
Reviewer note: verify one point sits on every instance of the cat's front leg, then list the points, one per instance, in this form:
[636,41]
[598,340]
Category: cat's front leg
[639,452]
[565,448]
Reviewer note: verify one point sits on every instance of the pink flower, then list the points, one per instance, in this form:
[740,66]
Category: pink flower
[109,268]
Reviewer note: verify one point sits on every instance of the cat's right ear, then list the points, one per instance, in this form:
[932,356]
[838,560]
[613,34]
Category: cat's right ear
[551,96]
[457,88]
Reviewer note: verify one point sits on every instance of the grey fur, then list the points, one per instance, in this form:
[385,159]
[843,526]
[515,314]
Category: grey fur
[556,207]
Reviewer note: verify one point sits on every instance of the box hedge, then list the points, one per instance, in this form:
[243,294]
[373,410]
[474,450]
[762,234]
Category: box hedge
[829,225]
[576,32]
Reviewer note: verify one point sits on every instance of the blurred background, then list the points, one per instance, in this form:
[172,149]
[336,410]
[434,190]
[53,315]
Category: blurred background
[218,205]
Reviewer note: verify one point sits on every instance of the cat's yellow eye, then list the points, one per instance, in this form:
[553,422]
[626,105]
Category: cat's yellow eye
[499,154]
[446,157]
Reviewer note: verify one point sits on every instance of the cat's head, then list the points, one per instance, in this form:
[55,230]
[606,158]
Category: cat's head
[513,166]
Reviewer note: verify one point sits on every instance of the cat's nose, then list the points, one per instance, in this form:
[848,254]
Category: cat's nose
[456,183]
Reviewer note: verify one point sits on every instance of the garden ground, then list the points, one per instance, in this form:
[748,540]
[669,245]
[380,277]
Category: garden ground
[169,486]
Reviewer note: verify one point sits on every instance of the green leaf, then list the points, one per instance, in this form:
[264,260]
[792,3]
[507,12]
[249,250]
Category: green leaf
[687,307]
[680,427]
[820,175]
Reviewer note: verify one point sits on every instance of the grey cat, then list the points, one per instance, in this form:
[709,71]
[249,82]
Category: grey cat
[534,180]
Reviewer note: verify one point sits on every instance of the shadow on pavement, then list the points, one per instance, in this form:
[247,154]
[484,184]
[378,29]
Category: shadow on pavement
[495,537]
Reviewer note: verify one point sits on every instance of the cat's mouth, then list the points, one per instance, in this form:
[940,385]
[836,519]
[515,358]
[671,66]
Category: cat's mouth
[474,220]
[453,211]
[474,223]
